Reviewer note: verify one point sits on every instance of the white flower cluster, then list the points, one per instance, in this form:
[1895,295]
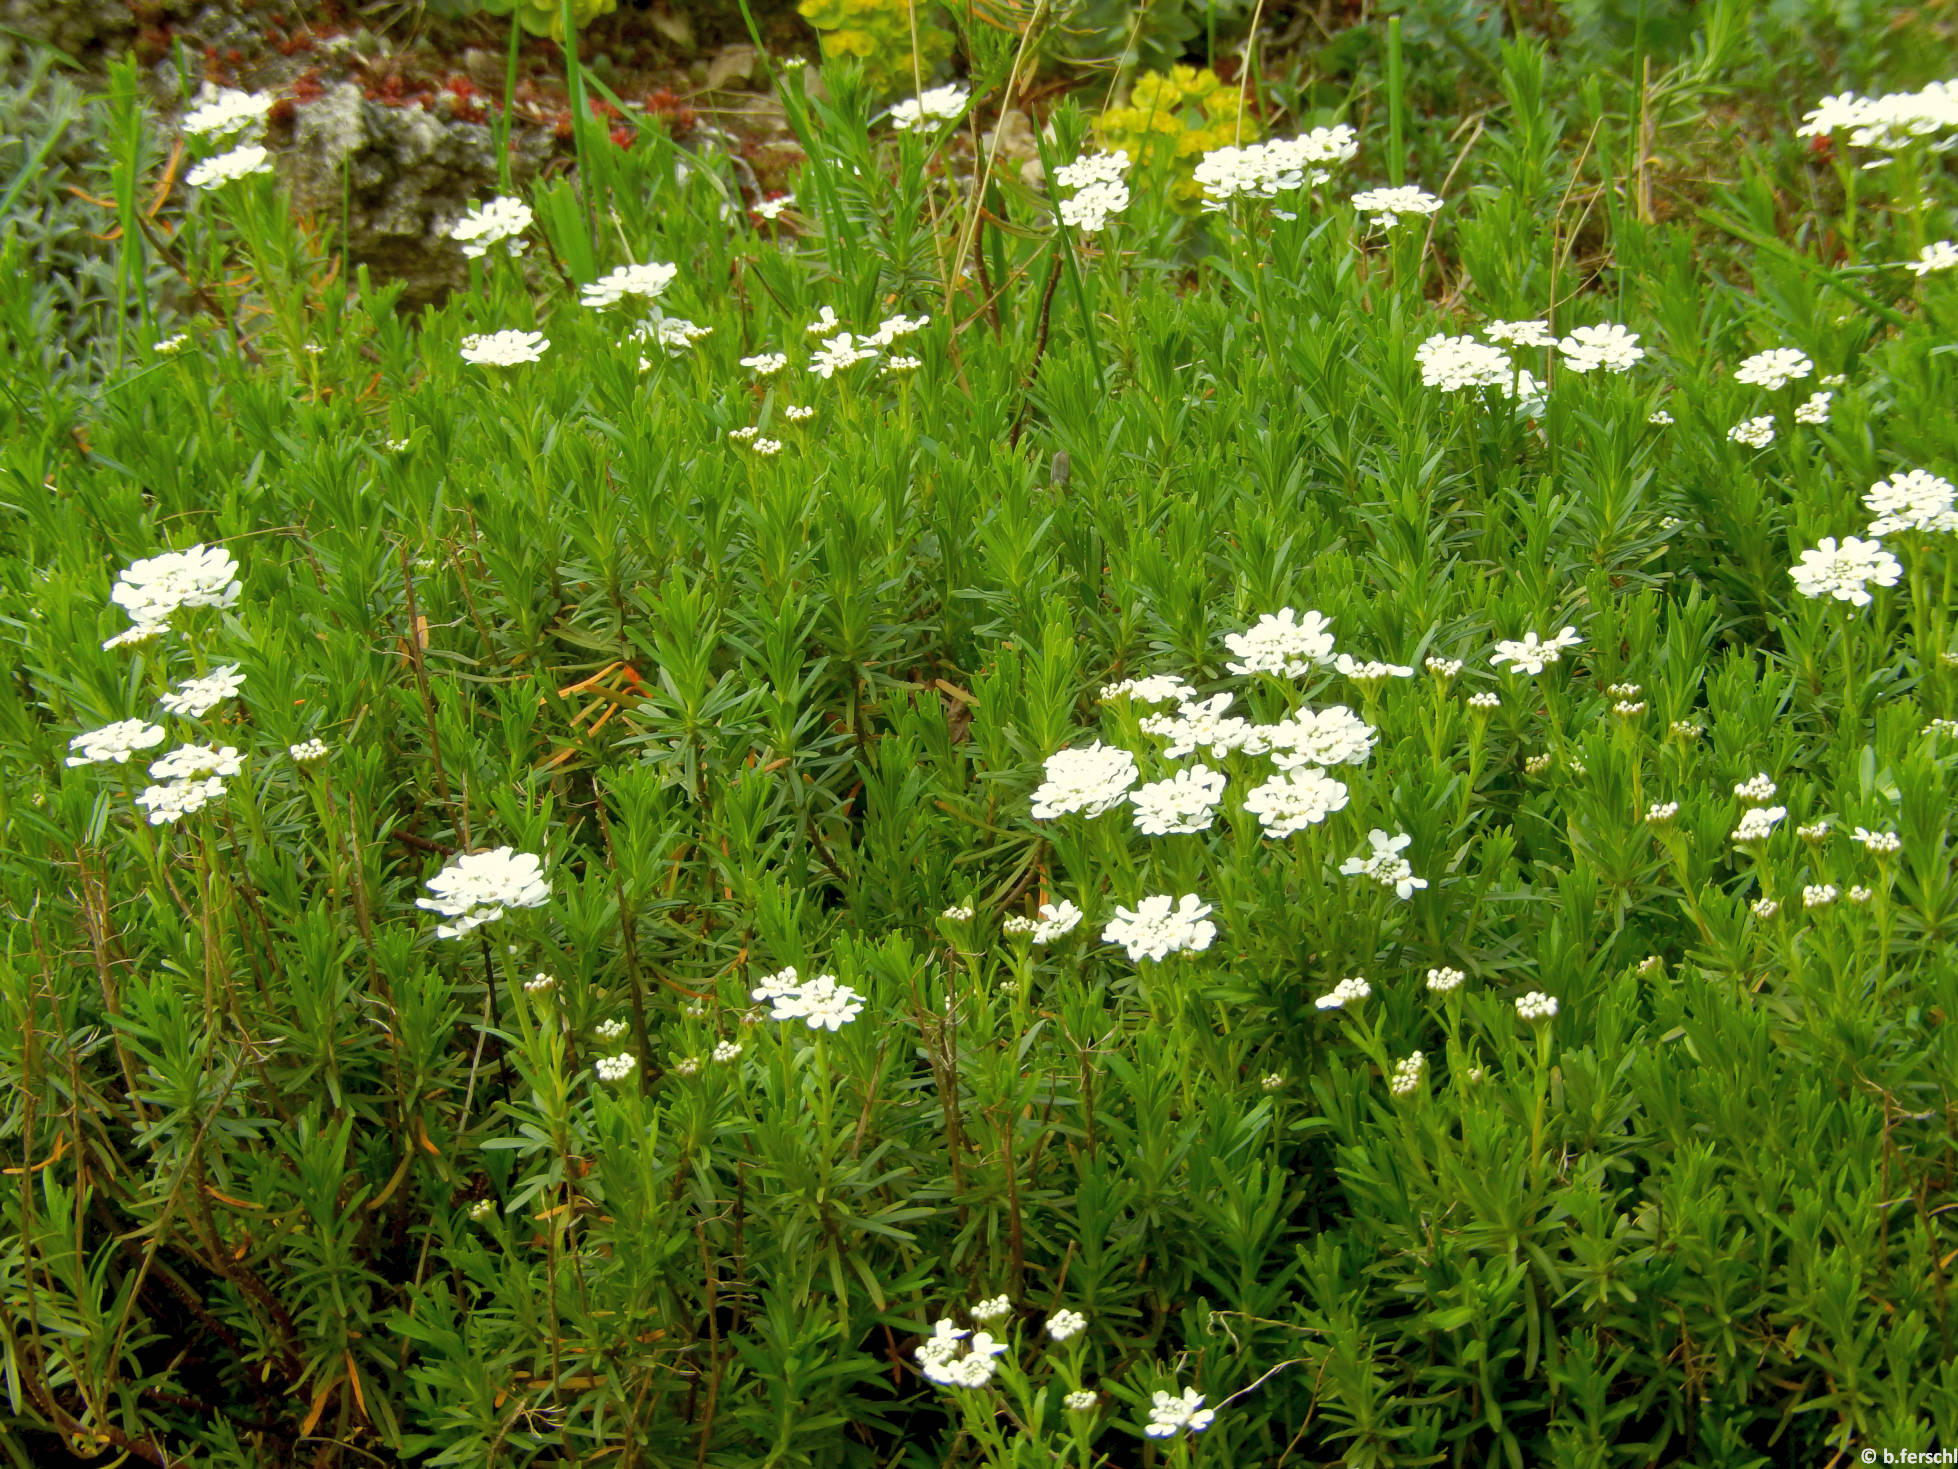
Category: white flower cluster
[222,111]
[1757,823]
[1408,1072]
[1385,865]
[1056,920]
[1756,790]
[1887,123]
[673,333]
[936,104]
[178,798]
[1531,655]
[1160,688]
[822,1003]
[1280,166]
[499,222]
[1160,926]
[504,349]
[1455,363]
[1883,843]
[1774,369]
[114,742]
[1814,408]
[227,168]
[1846,572]
[649,280]
[1942,255]
[477,887]
[1186,802]
[1291,801]
[1100,190]
[1535,1007]
[1915,501]
[1169,1415]
[1820,895]
[1282,643]
[1065,1323]
[1445,981]
[1608,346]
[1346,992]
[1090,780]
[940,1359]
[196,697]
[1755,433]
[151,589]
[616,1068]
[1388,205]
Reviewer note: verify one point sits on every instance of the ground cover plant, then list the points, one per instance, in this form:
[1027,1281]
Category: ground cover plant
[1275,801]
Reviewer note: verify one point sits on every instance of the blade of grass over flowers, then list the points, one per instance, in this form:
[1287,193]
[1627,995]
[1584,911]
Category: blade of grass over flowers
[969,226]
[1808,264]
[574,81]
[503,178]
[1396,96]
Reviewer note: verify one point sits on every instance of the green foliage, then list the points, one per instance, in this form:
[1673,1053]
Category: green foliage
[898,43]
[548,17]
[291,1178]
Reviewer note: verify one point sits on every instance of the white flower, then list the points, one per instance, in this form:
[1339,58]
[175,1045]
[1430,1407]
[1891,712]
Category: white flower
[166,803]
[991,1309]
[1093,168]
[1017,925]
[1294,800]
[1774,368]
[726,1051]
[228,168]
[939,1359]
[1272,1081]
[798,413]
[1385,865]
[1160,688]
[1407,1075]
[958,913]
[616,1068]
[1346,992]
[1081,1400]
[821,1003]
[1535,1006]
[151,589]
[1371,672]
[1887,123]
[1755,433]
[1659,416]
[194,762]
[171,346]
[1880,842]
[1628,708]
[1916,500]
[1660,812]
[610,1030]
[1832,379]
[1845,572]
[1756,790]
[649,280]
[1333,736]
[766,364]
[1160,926]
[1282,643]
[767,447]
[476,887]
[115,742]
[1485,701]
[772,208]
[499,222]
[903,364]
[1816,831]
[744,435]
[539,983]
[1860,894]
[504,349]
[1201,724]
[307,751]
[938,104]
[1388,205]
[1265,170]
[222,111]
[839,351]
[1764,907]
[1088,210]
[1608,346]
[775,986]
[1819,895]
[1056,921]
[826,321]
[1520,333]
[1186,802]
[1757,823]
[1091,780]
[482,1210]
[1941,256]
[893,327]
[195,697]
[1531,656]
[1445,981]
[1814,408]
[1064,1324]
[1454,363]
[1171,1415]
[1443,668]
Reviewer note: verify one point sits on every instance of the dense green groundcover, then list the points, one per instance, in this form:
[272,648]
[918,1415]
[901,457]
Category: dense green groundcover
[293,1178]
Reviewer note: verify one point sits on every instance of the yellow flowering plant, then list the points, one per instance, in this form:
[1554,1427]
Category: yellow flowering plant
[546,17]
[881,34]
